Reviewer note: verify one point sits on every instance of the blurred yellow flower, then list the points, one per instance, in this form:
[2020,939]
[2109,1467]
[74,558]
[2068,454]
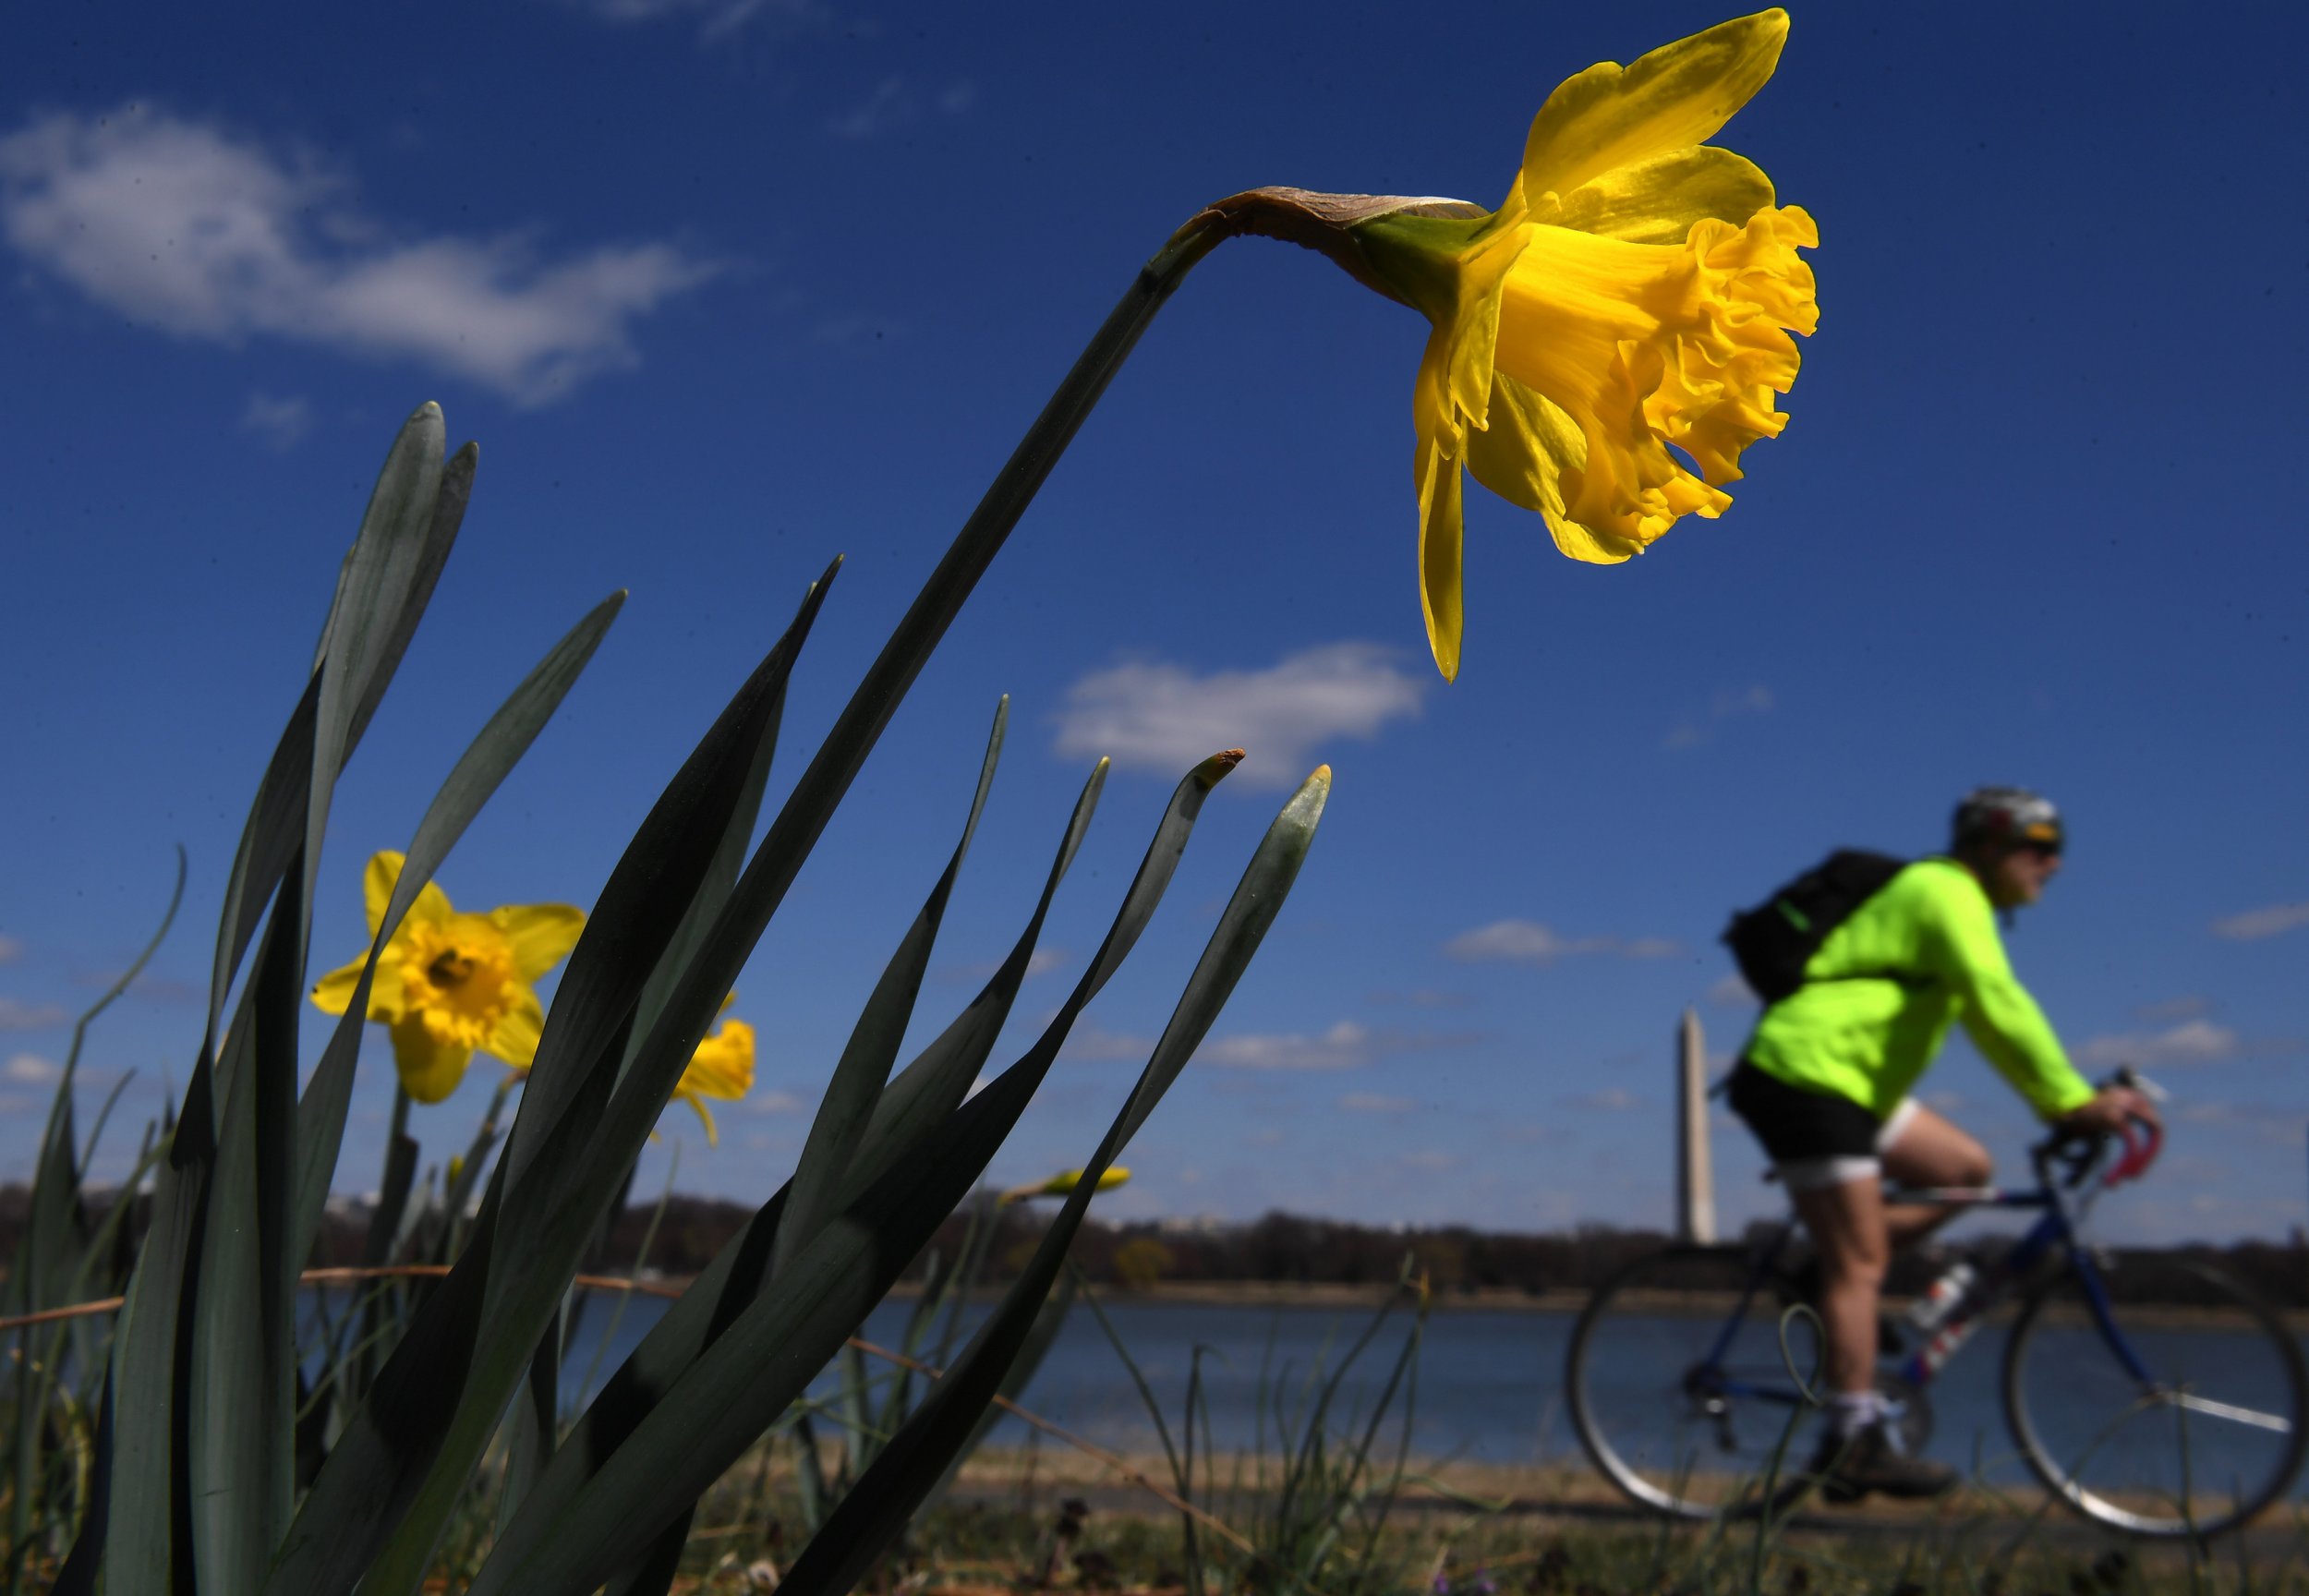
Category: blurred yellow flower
[723,1067]
[1063,1183]
[449,984]
[1634,290]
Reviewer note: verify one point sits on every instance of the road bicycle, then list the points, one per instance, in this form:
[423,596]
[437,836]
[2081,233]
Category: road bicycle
[2152,1392]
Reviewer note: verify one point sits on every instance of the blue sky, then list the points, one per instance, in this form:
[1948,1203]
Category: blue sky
[723,289]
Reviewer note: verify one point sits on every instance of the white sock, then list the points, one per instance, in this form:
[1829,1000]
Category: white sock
[1849,1412]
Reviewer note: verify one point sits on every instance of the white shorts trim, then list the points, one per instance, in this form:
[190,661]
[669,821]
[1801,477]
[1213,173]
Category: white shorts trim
[1816,1173]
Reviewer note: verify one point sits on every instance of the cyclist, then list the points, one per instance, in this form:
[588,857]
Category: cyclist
[1824,1083]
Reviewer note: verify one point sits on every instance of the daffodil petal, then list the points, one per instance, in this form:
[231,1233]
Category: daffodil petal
[429,1070]
[704,1115]
[332,993]
[1678,95]
[539,934]
[723,1064]
[1441,537]
[1656,200]
[514,1036]
[377,883]
[1529,446]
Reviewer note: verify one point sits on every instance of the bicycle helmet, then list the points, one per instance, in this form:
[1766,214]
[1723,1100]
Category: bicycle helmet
[2006,817]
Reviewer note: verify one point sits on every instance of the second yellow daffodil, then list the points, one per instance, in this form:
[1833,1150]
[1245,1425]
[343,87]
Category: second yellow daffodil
[449,985]
[723,1067]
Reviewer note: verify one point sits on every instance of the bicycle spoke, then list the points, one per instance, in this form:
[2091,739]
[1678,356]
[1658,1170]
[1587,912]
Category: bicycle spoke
[2278,1423]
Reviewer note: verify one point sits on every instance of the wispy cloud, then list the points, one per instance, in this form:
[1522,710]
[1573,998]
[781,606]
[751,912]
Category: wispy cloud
[2184,1008]
[775,1102]
[1731,992]
[1163,717]
[1041,961]
[279,423]
[2255,923]
[1377,1103]
[896,103]
[31,1069]
[2190,1042]
[1606,1100]
[17,1015]
[1528,942]
[1700,726]
[1090,1043]
[11,949]
[715,18]
[180,225]
[1346,1045]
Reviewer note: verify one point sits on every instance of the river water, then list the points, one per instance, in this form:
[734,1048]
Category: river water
[1488,1383]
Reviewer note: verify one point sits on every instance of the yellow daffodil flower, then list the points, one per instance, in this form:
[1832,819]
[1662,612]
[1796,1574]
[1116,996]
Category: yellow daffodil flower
[449,985]
[1063,1183]
[1634,291]
[723,1067]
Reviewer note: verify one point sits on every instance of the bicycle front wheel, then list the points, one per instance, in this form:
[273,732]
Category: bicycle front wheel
[2177,1407]
[1679,1388]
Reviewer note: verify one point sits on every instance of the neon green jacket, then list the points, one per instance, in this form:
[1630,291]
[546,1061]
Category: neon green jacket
[1880,995]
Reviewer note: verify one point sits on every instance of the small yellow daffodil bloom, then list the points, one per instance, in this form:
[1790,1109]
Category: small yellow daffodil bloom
[1634,292]
[723,1067]
[449,985]
[1063,1183]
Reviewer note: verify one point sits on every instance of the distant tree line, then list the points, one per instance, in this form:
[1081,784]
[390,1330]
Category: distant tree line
[1275,1250]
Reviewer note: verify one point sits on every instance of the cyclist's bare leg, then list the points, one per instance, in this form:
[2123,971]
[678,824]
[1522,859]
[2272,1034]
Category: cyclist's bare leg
[1847,1226]
[1929,1151]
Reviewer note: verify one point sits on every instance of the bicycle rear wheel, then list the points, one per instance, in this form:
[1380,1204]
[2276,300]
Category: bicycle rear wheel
[1679,1389]
[2184,1414]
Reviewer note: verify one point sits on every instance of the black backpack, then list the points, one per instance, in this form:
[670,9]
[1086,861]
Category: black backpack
[1772,942]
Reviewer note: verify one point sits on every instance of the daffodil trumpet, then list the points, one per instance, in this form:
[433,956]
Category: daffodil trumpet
[1629,302]
[449,985]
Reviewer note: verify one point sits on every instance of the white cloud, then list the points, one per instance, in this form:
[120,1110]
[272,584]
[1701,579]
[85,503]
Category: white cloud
[2255,923]
[17,1015]
[1162,717]
[1731,993]
[894,103]
[1088,1044]
[1346,1045]
[279,422]
[716,16]
[1528,942]
[180,225]
[1375,1102]
[2191,1042]
[1433,1162]
[1693,730]
[775,1102]
[1041,961]
[1608,1100]
[11,949]
[2186,1007]
[31,1069]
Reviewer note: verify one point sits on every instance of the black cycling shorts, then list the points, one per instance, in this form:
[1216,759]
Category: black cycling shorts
[1797,1126]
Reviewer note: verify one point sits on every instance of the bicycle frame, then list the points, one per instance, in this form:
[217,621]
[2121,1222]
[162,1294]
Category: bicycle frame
[2055,1232]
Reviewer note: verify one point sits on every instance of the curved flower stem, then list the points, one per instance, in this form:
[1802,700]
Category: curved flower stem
[1023,475]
